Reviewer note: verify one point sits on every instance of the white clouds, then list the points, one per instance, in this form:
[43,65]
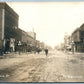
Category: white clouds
[49,19]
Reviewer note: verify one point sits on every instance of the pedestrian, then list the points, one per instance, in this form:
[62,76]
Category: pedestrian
[46,52]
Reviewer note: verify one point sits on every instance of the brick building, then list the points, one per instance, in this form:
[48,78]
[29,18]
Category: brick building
[8,26]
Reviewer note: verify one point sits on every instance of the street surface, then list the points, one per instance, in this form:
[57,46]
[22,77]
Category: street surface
[58,66]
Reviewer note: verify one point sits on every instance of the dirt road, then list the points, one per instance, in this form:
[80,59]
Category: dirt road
[56,67]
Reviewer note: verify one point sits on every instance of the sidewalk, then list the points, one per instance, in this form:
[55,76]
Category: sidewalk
[78,55]
[13,54]
[12,59]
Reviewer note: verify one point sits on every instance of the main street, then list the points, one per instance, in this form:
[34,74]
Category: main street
[58,66]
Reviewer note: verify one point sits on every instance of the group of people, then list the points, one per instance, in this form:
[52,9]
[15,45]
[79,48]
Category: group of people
[45,50]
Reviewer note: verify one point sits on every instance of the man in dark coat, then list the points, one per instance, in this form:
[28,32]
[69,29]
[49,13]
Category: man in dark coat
[46,52]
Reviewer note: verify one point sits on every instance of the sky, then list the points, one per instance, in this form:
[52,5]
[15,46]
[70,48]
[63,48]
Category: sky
[50,20]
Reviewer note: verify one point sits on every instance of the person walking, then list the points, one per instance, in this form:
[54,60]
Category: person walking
[46,52]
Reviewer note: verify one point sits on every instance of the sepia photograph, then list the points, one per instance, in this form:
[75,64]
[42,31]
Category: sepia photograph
[41,41]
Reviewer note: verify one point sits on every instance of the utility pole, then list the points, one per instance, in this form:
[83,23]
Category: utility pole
[73,47]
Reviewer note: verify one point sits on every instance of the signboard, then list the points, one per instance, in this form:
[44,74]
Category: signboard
[12,40]
[19,43]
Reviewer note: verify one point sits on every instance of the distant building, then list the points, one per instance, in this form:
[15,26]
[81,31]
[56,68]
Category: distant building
[33,35]
[62,46]
[37,43]
[29,40]
[67,41]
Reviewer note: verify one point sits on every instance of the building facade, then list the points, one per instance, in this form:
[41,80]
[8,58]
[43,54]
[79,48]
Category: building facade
[33,35]
[78,39]
[13,38]
[8,25]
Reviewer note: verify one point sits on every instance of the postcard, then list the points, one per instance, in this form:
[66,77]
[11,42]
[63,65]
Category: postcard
[41,42]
